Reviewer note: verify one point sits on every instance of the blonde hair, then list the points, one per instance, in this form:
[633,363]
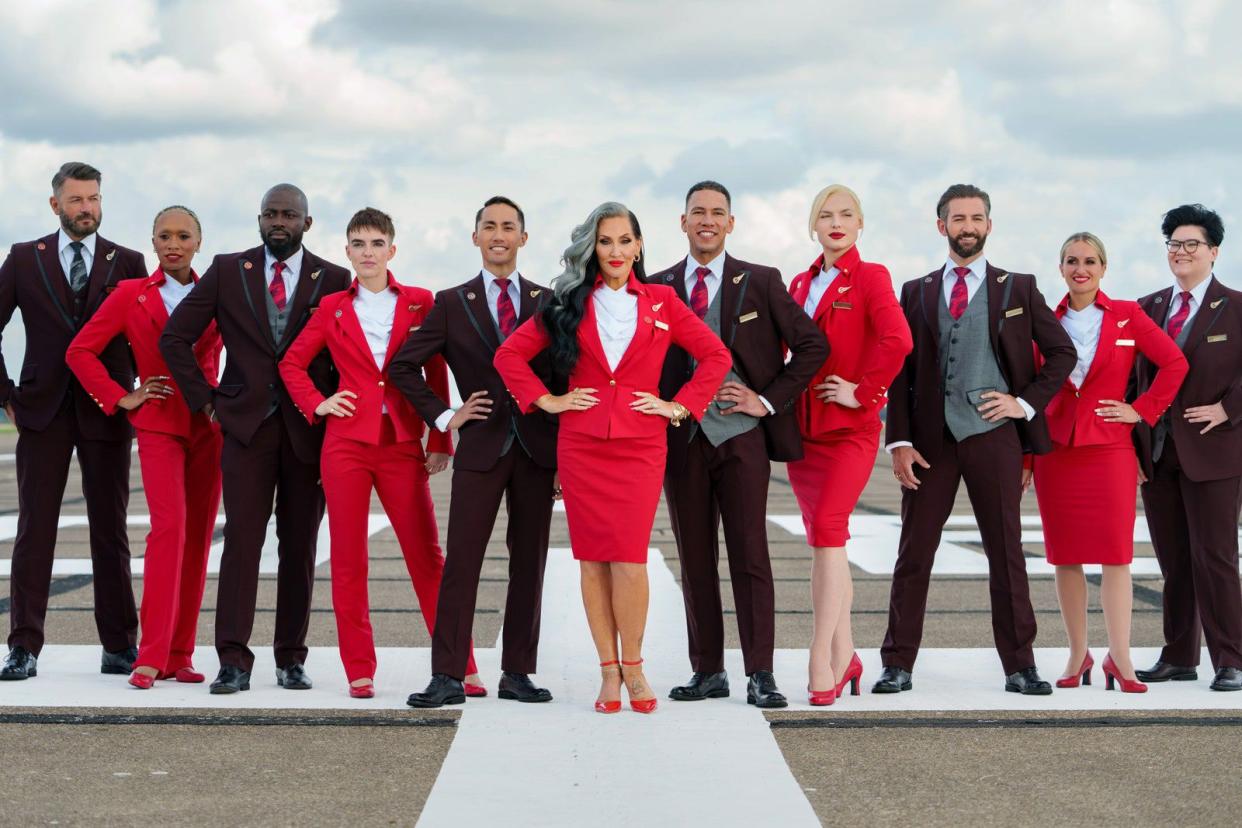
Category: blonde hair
[1091,239]
[823,195]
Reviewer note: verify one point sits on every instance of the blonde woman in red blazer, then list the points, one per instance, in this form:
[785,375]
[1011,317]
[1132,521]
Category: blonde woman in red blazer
[1086,484]
[610,332]
[852,302]
[179,451]
[373,438]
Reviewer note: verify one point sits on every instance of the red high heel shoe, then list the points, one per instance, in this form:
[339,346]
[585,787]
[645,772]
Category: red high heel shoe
[184,675]
[640,705]
[822,698]
[610,706]
[474,691]
[141,680]
[1111,675]
[1083,674]
[853,675]
[363,691]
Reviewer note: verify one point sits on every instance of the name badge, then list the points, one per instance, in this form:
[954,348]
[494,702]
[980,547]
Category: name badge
[1124,342]
[842,306]
[1013,312]
[661,325]
[746,317]
[1218,337]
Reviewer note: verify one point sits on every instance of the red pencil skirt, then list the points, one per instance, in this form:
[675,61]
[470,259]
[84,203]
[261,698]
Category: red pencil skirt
[1086,502]
[612,489]
[829,479]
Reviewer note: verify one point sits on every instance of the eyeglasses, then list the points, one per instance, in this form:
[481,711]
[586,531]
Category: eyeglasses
[1190,246]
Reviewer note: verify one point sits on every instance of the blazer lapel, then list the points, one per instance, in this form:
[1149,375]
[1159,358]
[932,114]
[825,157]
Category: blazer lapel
[1214,300]
[589,340]
[346,319]
[311,268]
[733,284]
[929,293]
[1107,345]
[101,269]
[474,300]
[53,276]
[531,299]
[994,284]
[675,278]
[152,303]
[644,328]
[250,267]
[402,322]
[1158,308]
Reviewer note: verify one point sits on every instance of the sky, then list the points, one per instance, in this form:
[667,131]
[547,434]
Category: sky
[1073,116]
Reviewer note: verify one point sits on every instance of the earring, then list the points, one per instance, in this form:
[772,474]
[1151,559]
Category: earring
[638,258]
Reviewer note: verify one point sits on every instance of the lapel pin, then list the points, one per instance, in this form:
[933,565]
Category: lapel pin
[1159,299]
[1123,323]
[1217,302]
[927,279]
[470,296]
[415,307]
[42,246]
[248,265]
[111,254]
[844,289]
[1000,280]
[315,275]
[738,278]
[338,314]
[414,328]
[668,278]
[142,298]
[656,307]
[647,319]
[535,293]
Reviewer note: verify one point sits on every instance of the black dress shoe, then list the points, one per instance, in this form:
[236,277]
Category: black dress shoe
[444,689]
[230,679]
[293,677]
[1160,671]
[1227,678]
[120,663]
[1028,683]
[893,680]
[19,665]
[702,686]
[519,687]
[761,690]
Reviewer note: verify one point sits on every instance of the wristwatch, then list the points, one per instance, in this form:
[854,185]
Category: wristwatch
[680,412]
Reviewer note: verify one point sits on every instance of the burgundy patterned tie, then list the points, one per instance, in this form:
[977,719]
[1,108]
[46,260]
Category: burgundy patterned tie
[1178,320]
[277,286]
[698,296]
[506,317]
[959,298]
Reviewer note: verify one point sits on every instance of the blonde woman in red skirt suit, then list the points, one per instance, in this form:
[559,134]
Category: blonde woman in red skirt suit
[610,332]
[853,303]
[1086,485]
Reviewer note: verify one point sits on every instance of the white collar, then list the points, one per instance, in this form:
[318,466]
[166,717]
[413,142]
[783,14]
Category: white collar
[293,264]
[978,268]
[716,266]
[64,241]
[491,278]
[1197,293]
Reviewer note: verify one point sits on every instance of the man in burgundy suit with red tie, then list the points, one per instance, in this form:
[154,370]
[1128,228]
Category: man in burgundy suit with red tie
[966,407]
[503,454]
[58,282]
[1192,460]
[260,300]
[718,469]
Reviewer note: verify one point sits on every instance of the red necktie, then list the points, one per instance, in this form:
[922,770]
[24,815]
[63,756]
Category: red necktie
[959,298]
[277,287]
[698,296]
[1178,320]
[506,317]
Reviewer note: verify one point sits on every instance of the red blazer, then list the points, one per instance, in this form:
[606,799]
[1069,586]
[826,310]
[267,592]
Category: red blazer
[663,320]
[334,325]
[1125,332]
[869,338]
[136,311]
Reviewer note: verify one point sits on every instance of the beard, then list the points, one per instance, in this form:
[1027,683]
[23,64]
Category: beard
[282,248]
[79,226]
[966,245]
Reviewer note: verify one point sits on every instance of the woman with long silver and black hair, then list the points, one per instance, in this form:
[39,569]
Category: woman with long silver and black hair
[609,332]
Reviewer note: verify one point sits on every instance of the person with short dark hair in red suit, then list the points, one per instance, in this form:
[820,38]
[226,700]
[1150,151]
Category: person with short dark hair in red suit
[502,455]
[179,451]
[374,436]
[966,407]
[58,282]
[718,470]
[610,332]
[1192,458]
[1086,484]
[260,300]
[852,302]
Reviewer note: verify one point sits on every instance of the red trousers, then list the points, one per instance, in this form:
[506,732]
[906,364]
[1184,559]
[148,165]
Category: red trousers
[396,472]
[181,477]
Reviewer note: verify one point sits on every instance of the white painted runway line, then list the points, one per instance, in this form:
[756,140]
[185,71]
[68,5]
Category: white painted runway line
[874,538]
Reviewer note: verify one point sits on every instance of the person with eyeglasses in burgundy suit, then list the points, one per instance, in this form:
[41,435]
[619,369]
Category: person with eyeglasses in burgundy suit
[1192,457]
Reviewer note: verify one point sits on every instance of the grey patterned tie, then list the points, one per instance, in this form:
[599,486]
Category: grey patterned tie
[77,271]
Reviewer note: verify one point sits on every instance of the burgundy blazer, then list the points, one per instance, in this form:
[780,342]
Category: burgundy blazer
[460,328]
[1213,348]
[232,293]
[335,326]
[758,322]
[1018,316]
[32,280]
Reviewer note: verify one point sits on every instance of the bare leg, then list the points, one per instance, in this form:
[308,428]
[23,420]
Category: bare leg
[843,635]
[829,598]
[629,608]
[1117,596]
[597,599]
[1072,596]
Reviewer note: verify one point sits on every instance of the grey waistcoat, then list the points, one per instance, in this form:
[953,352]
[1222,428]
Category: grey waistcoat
[968,366]
[277,320]
[1161,432]
[716,426]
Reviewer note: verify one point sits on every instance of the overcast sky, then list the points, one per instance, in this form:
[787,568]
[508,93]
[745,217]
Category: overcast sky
[1074,116]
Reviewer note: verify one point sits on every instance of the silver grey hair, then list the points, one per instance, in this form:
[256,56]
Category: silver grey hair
[582,246]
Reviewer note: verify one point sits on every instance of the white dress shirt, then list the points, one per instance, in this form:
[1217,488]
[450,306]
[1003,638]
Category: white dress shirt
[1175,302]
[712,280]
[819,285]
[375,314]
[1083,328]
[66,253]
[616,320]
[293,269]
[492,290]
[172,292]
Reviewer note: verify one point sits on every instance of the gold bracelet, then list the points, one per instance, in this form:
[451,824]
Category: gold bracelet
[680,412]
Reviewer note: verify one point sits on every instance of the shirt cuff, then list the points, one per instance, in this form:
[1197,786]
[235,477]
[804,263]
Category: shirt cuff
[1030,412]
[889,448]
[443,420]
[767,405]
